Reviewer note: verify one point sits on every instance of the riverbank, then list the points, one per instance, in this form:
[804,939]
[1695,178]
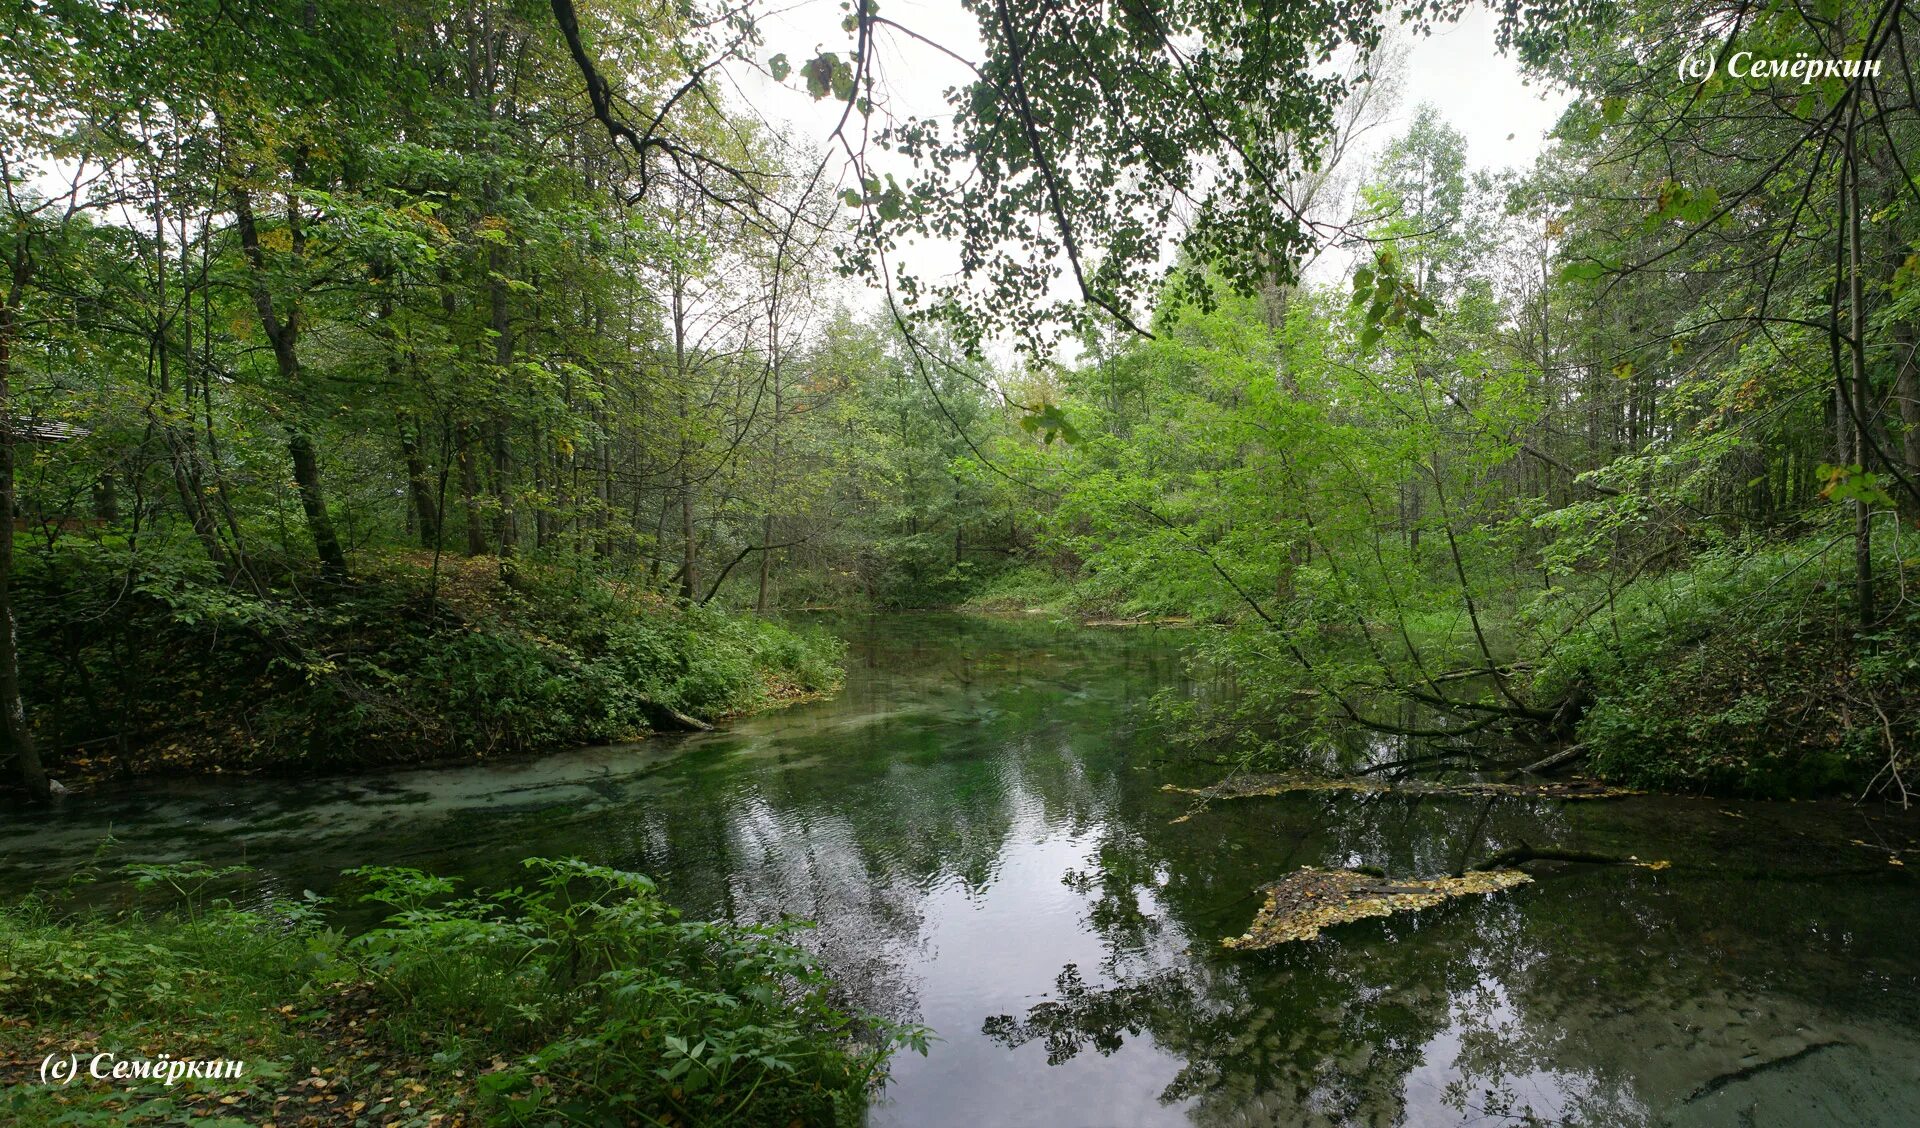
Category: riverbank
[1745,674]
[580,998]
[978,824]
[412,661]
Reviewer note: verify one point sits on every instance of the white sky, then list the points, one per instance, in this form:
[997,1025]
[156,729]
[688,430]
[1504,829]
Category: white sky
[1480,93]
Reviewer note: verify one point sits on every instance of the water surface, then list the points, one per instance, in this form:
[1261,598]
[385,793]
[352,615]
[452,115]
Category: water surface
[978,826]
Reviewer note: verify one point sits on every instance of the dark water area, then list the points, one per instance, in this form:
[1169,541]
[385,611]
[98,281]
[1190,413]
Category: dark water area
[978,827]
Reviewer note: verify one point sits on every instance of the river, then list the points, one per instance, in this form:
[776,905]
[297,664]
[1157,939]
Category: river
[977,823]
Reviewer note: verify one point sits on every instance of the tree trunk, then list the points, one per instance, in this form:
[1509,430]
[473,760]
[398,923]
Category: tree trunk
[688,581]
[506,532]
[26,757]
[766,559]
[284,335]
[1857,325]
[1906,392]
[470,491]
[426,511]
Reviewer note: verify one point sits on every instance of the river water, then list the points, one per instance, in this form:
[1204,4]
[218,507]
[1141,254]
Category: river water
[977,824]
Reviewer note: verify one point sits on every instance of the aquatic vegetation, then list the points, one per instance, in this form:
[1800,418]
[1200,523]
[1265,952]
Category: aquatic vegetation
[1299,905]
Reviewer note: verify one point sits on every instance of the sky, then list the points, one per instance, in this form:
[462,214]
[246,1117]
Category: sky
[1479,93]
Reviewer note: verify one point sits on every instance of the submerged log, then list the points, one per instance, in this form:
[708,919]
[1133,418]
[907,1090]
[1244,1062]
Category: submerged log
[1522,854]
[1299,905]
[1251,786]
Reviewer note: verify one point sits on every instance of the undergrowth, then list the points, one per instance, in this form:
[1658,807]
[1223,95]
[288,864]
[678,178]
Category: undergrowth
[1750,673]
[409,661]
[581,998]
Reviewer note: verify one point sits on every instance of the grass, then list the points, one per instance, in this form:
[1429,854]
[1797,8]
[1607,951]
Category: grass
[1029,587]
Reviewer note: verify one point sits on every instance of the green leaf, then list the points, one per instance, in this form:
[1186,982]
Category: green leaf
[818,71]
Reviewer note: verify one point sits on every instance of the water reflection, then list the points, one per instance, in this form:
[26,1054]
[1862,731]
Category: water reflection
[978,826]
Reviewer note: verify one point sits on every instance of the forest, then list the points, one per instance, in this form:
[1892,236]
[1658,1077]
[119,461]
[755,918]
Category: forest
[423,383]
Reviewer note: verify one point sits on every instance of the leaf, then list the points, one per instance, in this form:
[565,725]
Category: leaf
[1853,483]
[1052,421]
[818,71]
[779,67]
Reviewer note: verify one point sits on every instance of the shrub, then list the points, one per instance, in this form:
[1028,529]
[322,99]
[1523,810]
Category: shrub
[406,664]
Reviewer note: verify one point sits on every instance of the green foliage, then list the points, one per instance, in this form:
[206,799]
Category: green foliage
[405,665]
[193,959]
[580,999]
[1745,673]
[616,1004]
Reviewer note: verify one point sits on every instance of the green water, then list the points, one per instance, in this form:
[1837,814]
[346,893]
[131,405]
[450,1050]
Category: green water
[977,824]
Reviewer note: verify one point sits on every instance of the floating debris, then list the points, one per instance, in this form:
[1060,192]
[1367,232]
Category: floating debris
[1299,905]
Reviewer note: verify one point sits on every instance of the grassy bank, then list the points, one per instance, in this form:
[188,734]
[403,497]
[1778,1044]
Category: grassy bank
[580,999]
[1749,673]
[409,661]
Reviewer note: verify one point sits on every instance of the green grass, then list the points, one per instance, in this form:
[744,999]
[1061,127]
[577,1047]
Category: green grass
[1025,588]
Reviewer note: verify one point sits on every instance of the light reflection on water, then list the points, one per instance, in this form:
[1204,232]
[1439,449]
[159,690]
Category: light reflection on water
[977,826]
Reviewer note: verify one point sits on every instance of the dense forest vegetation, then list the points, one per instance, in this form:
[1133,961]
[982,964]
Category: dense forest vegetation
[385,386]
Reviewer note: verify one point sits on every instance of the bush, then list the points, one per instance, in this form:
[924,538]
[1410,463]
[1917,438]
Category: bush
[614,1004]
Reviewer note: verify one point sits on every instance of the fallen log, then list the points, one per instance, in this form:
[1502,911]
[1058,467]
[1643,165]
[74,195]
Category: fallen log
[1564,756]
[1253,786]
[665,718]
